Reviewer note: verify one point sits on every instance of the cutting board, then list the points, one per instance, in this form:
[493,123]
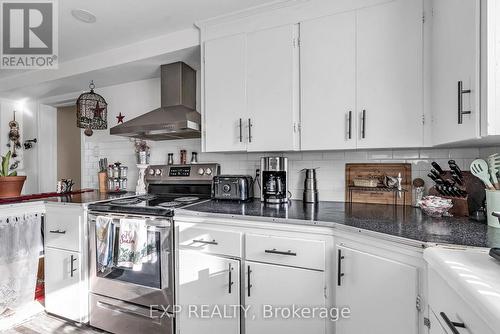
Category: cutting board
[378,195]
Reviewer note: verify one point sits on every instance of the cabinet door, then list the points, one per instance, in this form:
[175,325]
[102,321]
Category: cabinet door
[278,286]
[381,294]
[205,280]
[272,86]
[65,294]
[225,94]
[389,75]
[436,327]
[328,73]
[455,57]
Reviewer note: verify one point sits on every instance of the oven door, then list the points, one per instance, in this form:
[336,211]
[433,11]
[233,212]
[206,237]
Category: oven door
[152,285]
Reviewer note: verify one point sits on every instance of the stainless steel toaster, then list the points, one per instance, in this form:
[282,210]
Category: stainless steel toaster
[233,187]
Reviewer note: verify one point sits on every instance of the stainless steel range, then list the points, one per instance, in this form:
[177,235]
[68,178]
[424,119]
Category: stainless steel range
[132,250]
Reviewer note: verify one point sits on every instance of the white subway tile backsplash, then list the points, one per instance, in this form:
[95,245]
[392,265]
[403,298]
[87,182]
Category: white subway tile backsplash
[464,153]
[434,153]
[405,154]
[379,154]
[331,172]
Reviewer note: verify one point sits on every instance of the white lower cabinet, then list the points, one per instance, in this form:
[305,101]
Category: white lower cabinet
[209,293]
[64,294]
[380,292]
[271,293]
[451,311]
[66,281]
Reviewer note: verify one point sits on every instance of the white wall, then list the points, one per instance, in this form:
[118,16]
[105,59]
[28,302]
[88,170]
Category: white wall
[27,117]
[133,99]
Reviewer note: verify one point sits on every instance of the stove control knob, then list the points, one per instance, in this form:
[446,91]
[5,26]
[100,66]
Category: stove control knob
[208,171]
[158,172]
[201,171]
[226,188]
[151,172]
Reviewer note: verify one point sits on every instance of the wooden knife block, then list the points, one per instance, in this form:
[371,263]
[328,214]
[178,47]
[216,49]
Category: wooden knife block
[464,206]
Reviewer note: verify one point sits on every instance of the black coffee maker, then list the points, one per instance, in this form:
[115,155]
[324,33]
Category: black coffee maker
[273,180]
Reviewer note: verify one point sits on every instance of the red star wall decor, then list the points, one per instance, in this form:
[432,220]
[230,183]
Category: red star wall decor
[120,118]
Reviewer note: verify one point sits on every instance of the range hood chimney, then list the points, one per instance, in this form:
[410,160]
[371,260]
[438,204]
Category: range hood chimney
[177,117]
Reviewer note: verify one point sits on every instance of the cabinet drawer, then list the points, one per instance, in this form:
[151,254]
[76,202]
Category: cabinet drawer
[63,229]
[119,317]
[443,299]
[209,240]
[294,252]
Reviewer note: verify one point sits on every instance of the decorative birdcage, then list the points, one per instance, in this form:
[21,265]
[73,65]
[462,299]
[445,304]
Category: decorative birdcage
[91,111]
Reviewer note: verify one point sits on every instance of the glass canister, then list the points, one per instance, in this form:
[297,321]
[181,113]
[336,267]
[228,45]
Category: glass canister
[111,184]
[110,172]
[116,184]
[123,172]
[123,184]
[116,171]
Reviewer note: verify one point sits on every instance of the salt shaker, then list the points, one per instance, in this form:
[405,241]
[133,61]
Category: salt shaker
[170,159]
[194,158]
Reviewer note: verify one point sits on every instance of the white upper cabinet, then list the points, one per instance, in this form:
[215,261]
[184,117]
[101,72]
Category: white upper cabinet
[328,86]
[455,59]
[389,63]
[225,94]
[272,89]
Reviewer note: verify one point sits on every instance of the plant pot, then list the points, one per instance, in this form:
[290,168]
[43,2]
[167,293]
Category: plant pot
[11,186]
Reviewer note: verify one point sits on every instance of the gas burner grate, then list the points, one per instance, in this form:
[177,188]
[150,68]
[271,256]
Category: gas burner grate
[127,201]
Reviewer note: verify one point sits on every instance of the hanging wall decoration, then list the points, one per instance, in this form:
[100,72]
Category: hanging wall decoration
[92,112]
[14,136]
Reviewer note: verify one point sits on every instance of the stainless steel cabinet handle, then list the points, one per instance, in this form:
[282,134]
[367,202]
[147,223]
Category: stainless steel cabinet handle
[230,278]
[241,130]
[249,130]
[363,124]
[340,274]
[57,232]
[73,269]
[213,242]
[274,251]
[349,125]
[452,325]
[248,279]
[460,93]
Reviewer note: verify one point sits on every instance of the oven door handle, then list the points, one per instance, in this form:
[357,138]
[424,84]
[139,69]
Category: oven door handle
[111,307]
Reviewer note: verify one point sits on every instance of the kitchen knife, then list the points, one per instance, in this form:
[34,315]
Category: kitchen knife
[436,174]
[456,178]
[432,177]
[454,167]
[437,167]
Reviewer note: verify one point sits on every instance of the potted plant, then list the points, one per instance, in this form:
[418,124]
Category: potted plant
[11,185]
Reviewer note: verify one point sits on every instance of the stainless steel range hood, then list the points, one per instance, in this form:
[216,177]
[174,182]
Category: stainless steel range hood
[177,117]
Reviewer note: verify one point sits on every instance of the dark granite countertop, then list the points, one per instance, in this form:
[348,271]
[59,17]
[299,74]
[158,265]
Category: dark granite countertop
[397,221]
[80,199]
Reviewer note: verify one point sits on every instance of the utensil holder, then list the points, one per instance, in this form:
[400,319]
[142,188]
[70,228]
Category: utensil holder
[103,182]
[492,205]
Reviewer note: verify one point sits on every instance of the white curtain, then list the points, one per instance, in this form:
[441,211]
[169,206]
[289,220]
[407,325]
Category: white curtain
[20,247]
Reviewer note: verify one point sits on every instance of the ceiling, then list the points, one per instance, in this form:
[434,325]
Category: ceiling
[121,22]
[124,22]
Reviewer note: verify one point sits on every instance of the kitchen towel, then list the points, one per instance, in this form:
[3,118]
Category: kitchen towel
[104,242]
[132,243]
